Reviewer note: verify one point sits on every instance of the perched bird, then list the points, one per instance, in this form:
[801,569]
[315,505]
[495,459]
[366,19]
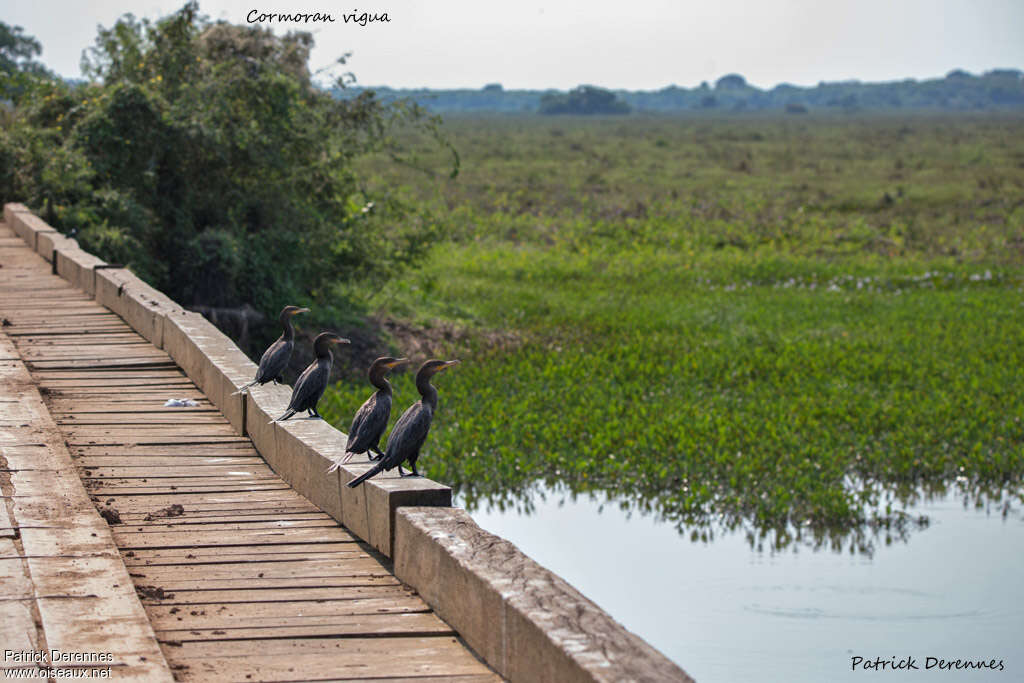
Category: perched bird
[275,358]
[310,385]
[410,431]
[372,417]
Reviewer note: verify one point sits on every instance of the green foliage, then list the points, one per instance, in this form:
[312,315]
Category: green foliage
[203,156]
[727,323]
[18,68]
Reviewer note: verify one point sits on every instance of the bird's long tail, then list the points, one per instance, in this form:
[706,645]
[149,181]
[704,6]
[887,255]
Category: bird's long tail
[287,414]
[341,461]
[376,469]
[245,388]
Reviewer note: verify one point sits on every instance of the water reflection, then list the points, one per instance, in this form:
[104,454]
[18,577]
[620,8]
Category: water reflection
[888,517]
[949,588]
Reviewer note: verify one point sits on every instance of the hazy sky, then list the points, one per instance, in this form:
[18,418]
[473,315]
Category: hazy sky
[634,44]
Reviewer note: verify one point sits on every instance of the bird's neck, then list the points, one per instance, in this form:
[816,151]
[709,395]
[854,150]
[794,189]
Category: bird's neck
[381,383]
[289,332]
[427,391]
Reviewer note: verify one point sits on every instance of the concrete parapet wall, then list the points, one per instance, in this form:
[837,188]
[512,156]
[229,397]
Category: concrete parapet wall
[77,267]
[524,621]
[145,309]
[12,208]
[47,242]
[28,226]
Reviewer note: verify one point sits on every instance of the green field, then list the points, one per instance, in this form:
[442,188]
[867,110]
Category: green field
[775,324]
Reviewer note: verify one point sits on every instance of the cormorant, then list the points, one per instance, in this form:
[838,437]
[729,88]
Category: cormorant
[371,419]
[310,385]
[275,358]
[410,431]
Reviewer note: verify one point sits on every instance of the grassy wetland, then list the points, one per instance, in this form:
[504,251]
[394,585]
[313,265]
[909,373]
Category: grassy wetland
[793,326]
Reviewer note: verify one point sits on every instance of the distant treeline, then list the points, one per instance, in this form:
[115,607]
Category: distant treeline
[999,89]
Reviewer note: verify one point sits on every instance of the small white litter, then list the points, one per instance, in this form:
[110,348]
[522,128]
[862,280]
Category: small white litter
[180,403]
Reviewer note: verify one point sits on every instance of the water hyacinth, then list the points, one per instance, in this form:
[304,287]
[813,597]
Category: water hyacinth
[780,352]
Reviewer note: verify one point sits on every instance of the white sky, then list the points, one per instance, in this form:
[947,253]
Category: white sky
[632,44]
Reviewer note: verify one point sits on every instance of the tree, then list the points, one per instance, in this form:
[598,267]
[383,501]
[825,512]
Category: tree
[731,82]
[202,155]
[586,99]
[18,67]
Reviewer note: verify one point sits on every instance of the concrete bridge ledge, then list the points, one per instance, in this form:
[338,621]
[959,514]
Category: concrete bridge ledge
[12,208]
[27,226]
[48,242]
[141,306]
[77,267]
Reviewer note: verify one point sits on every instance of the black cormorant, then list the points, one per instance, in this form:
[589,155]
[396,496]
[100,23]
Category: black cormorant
[410,431]
[371,419]
[275,358]
[310,385]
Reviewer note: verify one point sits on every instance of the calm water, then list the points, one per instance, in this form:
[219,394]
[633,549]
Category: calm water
[726,612]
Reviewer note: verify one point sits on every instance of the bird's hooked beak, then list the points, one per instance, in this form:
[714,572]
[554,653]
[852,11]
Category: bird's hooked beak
[395,363]
[300,310]
[447,365]
[339,340]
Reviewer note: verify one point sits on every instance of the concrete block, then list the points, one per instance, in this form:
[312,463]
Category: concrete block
[11,208]
[177,342]
[145,309]
[78,267]
[48,242]
[387,492]
[369,509]
[325,490]
[231,369]
[188,336]
[263,404]
[110,283]
[141,306]
[304,450]
[459,594]
[354,512]
[28,225]
[526,622]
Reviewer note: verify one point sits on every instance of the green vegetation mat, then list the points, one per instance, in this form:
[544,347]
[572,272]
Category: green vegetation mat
[789,326]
